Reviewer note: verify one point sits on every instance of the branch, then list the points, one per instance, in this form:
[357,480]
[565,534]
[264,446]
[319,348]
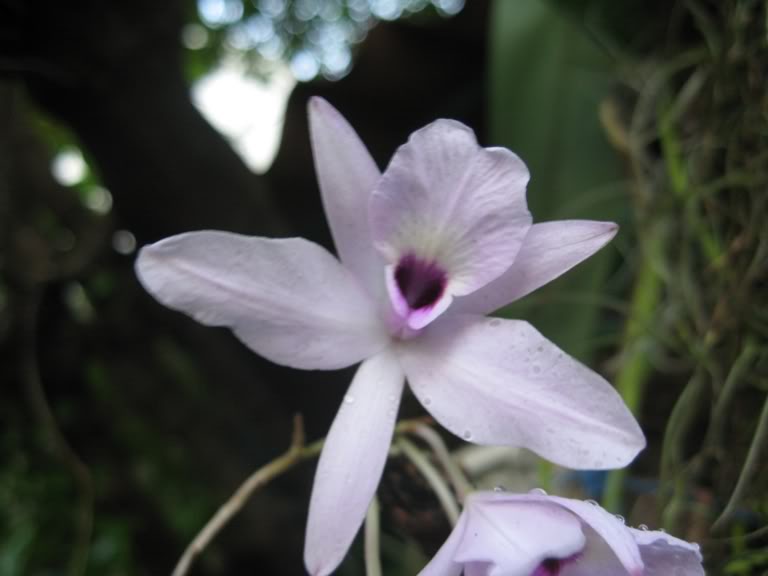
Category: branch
[295,454]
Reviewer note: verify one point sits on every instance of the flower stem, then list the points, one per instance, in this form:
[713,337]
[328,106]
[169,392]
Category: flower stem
[372,531]
[630,382]
[433,478]
[751,469]
[461,485]
[295,454]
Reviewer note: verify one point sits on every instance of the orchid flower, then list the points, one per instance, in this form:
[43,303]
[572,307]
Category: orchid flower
[503,534]
[426,250]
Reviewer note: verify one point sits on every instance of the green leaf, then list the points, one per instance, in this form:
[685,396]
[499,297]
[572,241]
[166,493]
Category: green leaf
[547,82]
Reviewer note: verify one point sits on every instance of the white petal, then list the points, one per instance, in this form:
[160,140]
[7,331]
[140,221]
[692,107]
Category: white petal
[610,542]
[352,461]
[549,250]
[664,554]
[477,569]
[610,548]
[445,199]
[347,176]
[517,536]
[495,381]
[288,300]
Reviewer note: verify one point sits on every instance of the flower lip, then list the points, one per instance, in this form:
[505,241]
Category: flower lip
[418,292]
[421,283]
[553,566]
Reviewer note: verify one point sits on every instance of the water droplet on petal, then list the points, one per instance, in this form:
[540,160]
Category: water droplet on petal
[349,399]
[538,491]
[619,517]
[495,322]
[536,369]
[427,401]
[593,502]
[499,489]
[467,435]
[643,527]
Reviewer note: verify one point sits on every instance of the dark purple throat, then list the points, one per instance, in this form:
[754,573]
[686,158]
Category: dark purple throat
[421,283]
[553,566]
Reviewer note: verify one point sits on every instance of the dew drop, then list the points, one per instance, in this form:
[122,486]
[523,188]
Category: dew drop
[593,502]
[467,435]
[495,322]
[619,517]
[349,399]
[427,401]
[539,491]
[536,369]
[643,527]
[499,489]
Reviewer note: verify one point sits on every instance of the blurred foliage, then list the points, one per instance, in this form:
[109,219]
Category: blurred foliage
[547,81]
[315,37]
[695,131]
[61,227]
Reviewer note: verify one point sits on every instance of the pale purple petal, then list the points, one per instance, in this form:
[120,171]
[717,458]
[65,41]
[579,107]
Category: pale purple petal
[288,300]
[446,200]
[352,461]
[347,176]
[664,554]
[476,569]
[610,547]
[516,537]
[495,381]
[598,559]
[443,563]
[549,250]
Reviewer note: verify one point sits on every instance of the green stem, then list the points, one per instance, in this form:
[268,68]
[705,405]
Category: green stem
[630,382]
[372,532]
[758,451]
[461,485]
[296,453]
[433,478]
[694,397]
